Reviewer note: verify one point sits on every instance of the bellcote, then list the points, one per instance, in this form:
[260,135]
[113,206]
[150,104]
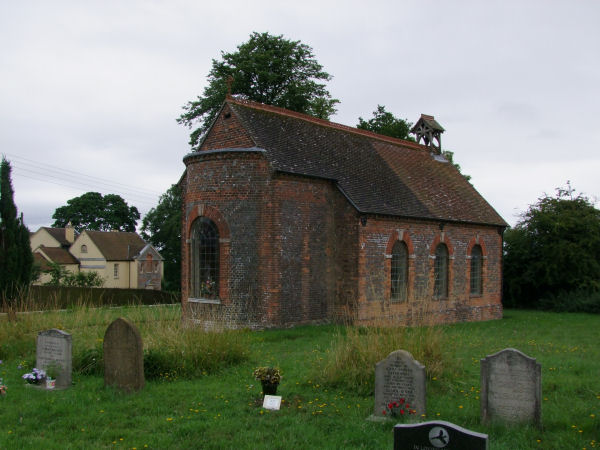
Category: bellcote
[429,131]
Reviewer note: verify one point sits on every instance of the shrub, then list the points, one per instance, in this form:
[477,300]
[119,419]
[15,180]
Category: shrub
[575,301]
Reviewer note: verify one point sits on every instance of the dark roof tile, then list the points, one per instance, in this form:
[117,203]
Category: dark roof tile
[379,174]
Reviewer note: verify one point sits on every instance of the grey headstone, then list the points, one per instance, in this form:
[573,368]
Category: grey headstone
[54,348]
[511,388]
[437,434]
[123,356]
[399,376]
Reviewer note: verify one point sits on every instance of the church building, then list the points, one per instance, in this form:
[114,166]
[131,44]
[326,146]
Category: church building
[289,219]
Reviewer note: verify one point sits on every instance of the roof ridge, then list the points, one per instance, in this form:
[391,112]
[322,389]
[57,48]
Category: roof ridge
[324,122]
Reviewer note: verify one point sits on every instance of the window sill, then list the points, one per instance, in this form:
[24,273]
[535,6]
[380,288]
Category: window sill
[213,301]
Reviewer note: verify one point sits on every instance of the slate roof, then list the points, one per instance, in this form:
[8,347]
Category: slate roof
[117,245]
[378,174]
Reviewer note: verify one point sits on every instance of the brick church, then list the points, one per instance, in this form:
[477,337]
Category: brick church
[289,220]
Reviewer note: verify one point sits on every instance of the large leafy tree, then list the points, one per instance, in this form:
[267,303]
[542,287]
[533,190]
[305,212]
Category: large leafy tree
[162,228]
[16,259]
[553,249]
[267,69]
[92,211]
[384,122]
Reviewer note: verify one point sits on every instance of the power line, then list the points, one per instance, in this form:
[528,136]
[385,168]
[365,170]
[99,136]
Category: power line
[81,178]
[131,197]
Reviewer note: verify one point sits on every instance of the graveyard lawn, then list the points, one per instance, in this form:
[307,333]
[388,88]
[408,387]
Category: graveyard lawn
[223,409]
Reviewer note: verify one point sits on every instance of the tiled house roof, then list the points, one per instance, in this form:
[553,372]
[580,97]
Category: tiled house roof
[59,255]
[59,234]
[117,246]
[378,174]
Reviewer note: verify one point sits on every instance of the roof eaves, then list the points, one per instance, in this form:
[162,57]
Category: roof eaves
[224,150]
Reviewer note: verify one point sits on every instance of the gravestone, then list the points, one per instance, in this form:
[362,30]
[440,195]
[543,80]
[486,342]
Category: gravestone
[399,376]
[123,356]
[54,350]
[511,388]
[437,434]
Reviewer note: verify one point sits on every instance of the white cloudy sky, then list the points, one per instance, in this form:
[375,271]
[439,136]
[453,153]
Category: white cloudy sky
[89,90]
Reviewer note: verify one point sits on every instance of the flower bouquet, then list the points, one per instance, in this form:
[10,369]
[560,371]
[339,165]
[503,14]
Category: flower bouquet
[36,376]
[269,377]
[398,409]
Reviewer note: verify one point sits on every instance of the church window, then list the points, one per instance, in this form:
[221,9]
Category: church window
[399,272]
[476,271]
[440,287]
[204,273]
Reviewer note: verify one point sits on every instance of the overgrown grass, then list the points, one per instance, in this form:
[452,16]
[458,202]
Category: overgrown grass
[171,350]
[354,352]
[223,409]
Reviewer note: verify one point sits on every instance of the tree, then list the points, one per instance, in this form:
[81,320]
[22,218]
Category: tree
[267,69]
[59,276]
[384,122]
[553,249]
[92,211]
[16,258]
[162,228]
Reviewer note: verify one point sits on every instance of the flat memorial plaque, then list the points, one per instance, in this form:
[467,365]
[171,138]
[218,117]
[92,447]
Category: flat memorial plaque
[437,434]
[272,402]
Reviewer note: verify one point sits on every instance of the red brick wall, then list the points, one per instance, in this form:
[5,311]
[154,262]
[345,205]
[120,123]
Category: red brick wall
[293,249]
[227,132]
[231,189]
[422,237]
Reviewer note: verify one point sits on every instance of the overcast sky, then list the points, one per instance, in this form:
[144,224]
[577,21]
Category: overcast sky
[89,91]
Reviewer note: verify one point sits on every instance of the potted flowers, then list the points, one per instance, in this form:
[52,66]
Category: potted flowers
[269,378]
[36,377]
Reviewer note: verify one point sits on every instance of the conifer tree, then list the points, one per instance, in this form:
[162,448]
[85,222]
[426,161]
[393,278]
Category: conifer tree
[16,259]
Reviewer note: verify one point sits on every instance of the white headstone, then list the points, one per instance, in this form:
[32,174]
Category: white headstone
[511,388]
[54,349]
[397,377]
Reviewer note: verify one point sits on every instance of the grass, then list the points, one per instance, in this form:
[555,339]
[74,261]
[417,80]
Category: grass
[222,409]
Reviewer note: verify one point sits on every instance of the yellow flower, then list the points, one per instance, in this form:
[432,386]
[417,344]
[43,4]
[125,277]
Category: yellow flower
[169,419]
[460,406]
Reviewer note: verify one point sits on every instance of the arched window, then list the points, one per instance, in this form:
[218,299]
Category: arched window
[204,270]
[476,270]
[399,272]
[83,248]
[440,286]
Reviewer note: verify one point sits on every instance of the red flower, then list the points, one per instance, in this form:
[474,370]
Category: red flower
[390,405]
[401,411]
[384,413]
[401,401]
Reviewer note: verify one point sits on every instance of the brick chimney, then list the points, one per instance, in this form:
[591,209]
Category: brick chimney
[70,233]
